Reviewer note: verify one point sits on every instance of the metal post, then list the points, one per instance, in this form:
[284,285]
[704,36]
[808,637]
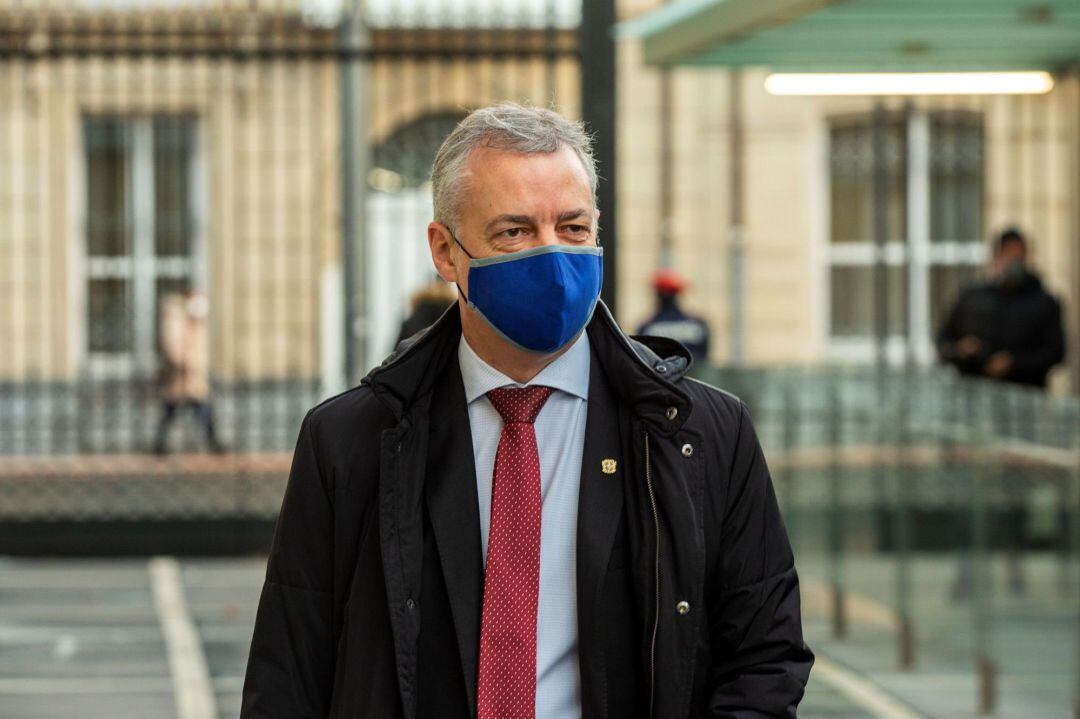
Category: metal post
[902,523]
[981,585]
[666,189]
[905,232]
[1075,231]
[598,75]
[735,229]
[354,167]
[1072,535]
[835,419]
[791,423]
[881,231]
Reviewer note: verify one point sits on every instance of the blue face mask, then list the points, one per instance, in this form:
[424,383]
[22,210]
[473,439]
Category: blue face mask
[540,298]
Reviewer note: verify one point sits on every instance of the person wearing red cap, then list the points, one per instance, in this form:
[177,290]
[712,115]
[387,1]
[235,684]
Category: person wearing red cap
[670,321]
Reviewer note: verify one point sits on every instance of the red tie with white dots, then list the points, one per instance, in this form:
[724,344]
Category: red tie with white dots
[507,683]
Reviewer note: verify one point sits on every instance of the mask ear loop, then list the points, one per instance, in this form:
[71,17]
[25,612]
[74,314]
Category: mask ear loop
[467,254]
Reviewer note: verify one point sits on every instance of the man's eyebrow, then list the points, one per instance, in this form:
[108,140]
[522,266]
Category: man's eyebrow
[508,219]
[527,220]
[573,214]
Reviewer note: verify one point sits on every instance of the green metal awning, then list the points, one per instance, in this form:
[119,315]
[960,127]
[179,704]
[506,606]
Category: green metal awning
[863,35]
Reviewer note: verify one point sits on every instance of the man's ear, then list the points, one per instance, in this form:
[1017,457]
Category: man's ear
[441,245]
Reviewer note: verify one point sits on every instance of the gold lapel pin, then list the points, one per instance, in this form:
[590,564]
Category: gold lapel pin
[607,466]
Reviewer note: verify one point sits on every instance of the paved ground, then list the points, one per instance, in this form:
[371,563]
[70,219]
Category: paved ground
[98,639]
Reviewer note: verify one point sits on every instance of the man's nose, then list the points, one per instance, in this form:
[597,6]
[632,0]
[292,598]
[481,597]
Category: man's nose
[547,235]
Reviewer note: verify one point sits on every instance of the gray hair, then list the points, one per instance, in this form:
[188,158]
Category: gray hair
[506,126]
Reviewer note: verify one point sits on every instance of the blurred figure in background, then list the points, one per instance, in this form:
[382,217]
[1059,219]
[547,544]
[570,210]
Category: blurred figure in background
[426,306]
[185,365]
[1008,327]
[670,321]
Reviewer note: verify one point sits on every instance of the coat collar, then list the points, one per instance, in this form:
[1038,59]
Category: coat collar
[644,372]
[450,490]
[600,507]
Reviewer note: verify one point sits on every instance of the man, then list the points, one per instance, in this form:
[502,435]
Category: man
[1007,328]
[521,512]
[670,320]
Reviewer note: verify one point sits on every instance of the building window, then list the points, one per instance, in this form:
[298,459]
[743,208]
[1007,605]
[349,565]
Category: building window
[140,233]
[933,170]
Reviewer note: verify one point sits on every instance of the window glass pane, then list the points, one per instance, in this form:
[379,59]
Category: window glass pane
[109,315]
[946,282]
[108,146]
[851,181]
[173,147]
[849,167]
[956,172]
[852,300]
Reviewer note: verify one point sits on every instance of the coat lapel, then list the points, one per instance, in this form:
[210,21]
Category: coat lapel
[600,504]
[455,516]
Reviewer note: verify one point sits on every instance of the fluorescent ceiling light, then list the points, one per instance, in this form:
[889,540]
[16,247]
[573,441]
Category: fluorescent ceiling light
[910,83]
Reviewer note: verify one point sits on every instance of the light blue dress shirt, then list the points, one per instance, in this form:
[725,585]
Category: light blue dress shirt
[560,440]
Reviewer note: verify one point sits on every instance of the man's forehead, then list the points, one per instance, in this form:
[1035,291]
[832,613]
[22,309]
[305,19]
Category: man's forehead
[502,165]
[533,187]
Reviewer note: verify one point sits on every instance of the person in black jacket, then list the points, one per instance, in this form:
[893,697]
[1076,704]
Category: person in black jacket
[1008,327]
[384,595]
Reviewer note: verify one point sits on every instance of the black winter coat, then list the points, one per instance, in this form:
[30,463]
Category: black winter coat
[1024,321]
[688,600]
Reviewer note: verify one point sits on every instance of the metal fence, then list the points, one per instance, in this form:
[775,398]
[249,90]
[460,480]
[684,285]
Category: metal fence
[935,520]
[270,155]
[936,523]
[212,215]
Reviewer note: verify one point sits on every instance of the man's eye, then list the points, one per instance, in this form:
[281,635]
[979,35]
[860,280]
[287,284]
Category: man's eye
[580,230]
[513,233]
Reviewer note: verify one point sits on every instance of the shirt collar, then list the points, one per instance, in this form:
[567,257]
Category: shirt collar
[568,373]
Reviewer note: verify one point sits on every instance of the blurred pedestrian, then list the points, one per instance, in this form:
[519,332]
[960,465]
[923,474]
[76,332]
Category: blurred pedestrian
[426,306]
[671,321]
[1007,327]
[523,512]
[185,365]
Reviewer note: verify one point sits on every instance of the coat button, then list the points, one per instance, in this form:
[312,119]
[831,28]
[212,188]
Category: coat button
[661,368]
[683,607]
[687,450]
[672,412]
[410,603]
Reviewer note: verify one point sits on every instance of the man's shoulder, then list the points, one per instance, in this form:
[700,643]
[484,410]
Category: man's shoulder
[355,414]
[1047,298]
[717,408]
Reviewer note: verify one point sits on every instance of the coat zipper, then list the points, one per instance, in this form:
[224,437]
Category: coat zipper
[656,574]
